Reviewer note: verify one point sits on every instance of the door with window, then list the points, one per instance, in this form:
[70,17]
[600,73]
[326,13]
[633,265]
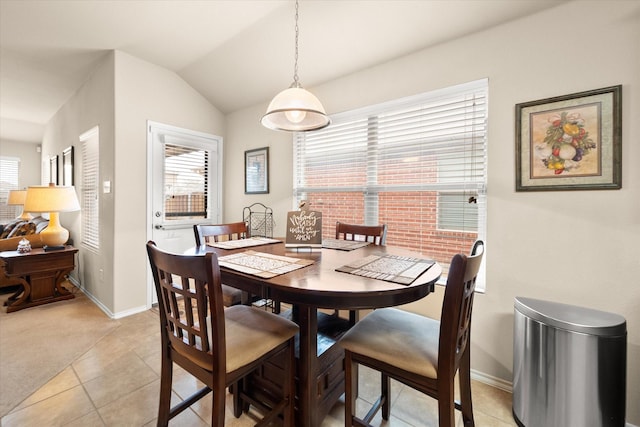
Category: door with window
[185,186]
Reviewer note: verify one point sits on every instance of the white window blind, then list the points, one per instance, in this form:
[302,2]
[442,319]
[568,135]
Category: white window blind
[417,164]
[89,191]
[9,175]
[186,178]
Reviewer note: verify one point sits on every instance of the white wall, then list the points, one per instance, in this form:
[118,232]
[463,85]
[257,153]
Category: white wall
[121,95]
[91,105]
[576,247]
[244,132]
[144,91]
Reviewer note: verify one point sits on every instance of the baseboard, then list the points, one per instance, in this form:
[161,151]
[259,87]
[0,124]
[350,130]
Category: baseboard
[74,282]
[131,311]
[112,315]
[503,385]
[97,302]
[492,381]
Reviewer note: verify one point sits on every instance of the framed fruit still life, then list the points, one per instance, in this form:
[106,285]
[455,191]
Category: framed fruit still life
[570,142]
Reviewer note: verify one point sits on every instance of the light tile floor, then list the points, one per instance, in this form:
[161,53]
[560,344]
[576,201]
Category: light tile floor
[116,383]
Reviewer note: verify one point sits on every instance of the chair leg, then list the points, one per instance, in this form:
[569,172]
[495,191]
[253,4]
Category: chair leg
[237,400]
[290,386]
[354,316]
[464,374]
[166,375]
[217,411]
[446,404]
[350,379]
[386,396]
[242,389]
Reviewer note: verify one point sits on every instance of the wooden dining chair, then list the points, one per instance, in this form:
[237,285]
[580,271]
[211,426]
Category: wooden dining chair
[206,233]
[423,353]
[218,346]
[212,233]
[376,234]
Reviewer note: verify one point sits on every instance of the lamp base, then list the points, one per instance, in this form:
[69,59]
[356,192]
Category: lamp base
[25,216]
[49,248]
[54,234]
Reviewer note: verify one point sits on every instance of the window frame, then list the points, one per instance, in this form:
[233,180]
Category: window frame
[362,126]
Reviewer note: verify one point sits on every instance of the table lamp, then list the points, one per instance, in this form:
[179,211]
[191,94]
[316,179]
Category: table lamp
[52,199]
[17,198]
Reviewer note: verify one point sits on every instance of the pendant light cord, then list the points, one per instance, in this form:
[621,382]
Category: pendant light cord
[295,109]
[295,66]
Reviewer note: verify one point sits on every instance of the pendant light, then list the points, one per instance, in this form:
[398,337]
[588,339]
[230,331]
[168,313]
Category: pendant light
[295,109]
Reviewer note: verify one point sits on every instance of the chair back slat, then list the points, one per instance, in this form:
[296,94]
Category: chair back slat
[376,234]
[190,305]
[455,322]
[205,233]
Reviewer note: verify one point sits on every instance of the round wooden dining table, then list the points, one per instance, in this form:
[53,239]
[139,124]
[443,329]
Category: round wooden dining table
[309,290]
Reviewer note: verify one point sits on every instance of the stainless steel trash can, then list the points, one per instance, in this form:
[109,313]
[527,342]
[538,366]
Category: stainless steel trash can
[569,365]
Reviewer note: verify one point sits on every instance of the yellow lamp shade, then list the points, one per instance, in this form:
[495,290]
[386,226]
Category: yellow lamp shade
[17,198]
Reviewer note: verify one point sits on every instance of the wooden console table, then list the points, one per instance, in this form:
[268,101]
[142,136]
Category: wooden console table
[40,274]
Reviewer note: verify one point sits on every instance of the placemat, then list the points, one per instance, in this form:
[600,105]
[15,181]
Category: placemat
[243,243]
[391,268]
[343,245]
[261,264]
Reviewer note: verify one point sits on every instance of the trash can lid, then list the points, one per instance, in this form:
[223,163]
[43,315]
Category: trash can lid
[572,318]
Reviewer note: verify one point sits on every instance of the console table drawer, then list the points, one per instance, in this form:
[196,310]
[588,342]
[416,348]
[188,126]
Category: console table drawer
[41,262]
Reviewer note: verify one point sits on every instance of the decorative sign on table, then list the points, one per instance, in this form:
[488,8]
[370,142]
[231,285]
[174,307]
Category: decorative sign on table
[343,245]
[243,243]
[304,229]
[391,268]
[262,264]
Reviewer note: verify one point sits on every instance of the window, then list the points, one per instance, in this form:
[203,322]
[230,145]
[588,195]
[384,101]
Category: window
[417,164]
[186,171]
[9,173]
[89,191]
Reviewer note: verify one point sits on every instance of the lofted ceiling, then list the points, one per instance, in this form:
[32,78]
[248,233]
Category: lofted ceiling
[236,53]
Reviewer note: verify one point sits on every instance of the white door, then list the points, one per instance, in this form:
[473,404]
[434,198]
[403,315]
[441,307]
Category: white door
[184,187]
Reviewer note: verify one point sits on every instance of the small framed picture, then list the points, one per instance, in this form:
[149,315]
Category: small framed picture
[570,142]
[256,171]
[67,166]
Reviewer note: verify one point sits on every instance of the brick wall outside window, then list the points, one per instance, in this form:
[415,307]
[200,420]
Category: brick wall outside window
[407,227]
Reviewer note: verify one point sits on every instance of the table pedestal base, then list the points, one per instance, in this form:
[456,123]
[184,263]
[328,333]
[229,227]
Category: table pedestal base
[324,388]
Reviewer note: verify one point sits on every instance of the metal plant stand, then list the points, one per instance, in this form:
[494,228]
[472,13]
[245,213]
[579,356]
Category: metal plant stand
[259,219]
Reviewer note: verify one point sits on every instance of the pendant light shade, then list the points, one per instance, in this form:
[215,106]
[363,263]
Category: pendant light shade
[295,109]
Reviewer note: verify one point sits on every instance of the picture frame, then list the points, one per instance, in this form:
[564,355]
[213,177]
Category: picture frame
[53,169]
[67,166]
[570,142]
[256,171]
